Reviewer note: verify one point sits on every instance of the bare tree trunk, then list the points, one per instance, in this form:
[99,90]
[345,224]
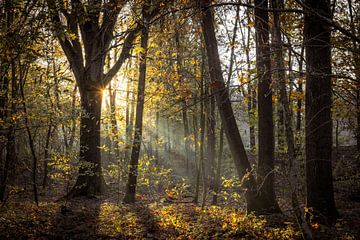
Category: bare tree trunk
[318,140]
[265,108]
[132,178]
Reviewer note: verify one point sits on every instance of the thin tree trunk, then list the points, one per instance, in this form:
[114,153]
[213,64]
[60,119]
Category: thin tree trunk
[266,169]
[217,183]
[196,150]
[157,122]
[300,91]
[132,178]
[202,133]
[47,155]
[74,119]
[31,143]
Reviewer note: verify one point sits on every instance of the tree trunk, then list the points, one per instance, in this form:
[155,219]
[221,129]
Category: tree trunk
[196,150]
[46,154]
[217,183]
[280,78]
[300,90]
[318,140]
[132,178]
[265,108]
[157,123]
[90,179]
[255,202]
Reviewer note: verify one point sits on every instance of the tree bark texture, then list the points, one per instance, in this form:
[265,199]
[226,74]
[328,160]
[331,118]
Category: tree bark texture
[265,107]
[318,139]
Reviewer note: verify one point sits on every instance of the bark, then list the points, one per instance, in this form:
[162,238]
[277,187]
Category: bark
[132,178]
[253,199]
[318,139]
[265,108]
[90,180]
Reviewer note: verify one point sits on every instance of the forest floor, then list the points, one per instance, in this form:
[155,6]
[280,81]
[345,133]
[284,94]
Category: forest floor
[169,216]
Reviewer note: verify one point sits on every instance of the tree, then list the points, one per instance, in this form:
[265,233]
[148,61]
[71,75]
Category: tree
[255,201]
[318,139]
[265,109]
[132,179]
[88,29]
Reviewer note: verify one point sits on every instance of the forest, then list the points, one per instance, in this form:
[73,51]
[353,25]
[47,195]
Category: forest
[180,119]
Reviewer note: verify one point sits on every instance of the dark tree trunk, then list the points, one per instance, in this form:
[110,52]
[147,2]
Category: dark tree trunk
[90,180]
[255,202]
[318,140]
[265,108]
[133,168]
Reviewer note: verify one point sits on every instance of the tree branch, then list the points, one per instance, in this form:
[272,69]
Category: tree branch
[125,53]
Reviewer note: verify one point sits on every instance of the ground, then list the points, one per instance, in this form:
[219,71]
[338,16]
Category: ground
[173,215]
